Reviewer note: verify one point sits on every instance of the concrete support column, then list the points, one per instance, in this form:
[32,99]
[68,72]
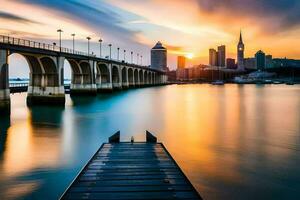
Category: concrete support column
[4,83]
[48,87]
[166,79]
[125,81]
[142,81]
[158,79]
[117,84]
[137,82]
[86,85]
[130,77]
[104,80]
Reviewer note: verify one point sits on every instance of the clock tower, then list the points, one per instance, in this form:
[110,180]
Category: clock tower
[240,53]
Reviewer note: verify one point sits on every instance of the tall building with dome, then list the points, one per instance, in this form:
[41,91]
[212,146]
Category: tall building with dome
[159,57]
[240,54]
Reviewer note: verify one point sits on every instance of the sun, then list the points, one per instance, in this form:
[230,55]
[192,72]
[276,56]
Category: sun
[189,56]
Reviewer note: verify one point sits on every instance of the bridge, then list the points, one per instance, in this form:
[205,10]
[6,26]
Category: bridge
[90,74]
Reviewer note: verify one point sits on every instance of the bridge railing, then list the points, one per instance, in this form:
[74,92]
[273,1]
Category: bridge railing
[50,47]
[39,45]
[14,85]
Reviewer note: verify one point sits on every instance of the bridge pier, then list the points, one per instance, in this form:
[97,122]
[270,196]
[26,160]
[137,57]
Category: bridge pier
[103,78]
[124,78]
[116,77]
[83,81]
[46,86]
[83,89]
[4,83]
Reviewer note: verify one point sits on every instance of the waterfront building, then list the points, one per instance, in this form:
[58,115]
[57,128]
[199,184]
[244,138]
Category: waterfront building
[230,63]
[249,63]
[285,62]
[222,56]
[181,74]
[213,57]
[181,60]
[260,60]
[159,57]
[240,53]
[269,61]
[172,75]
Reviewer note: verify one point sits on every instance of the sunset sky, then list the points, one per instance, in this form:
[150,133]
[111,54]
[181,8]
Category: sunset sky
[184,26]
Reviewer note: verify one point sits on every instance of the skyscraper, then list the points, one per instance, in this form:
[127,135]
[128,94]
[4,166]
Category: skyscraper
[180,62]
[213,57]
[260,60]
[159,57]
[240,53]
[230,63]
[222,56]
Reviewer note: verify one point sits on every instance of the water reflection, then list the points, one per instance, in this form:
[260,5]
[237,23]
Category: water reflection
[46,116]
[233,142]
[30,149]
[4,125]
[82,100]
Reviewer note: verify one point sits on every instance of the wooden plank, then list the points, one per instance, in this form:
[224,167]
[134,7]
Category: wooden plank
[131,189]
[107,174]
[132,195]
[131,171]
[144,177]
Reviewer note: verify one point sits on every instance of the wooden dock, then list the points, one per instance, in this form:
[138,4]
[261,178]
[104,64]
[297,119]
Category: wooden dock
[131,170]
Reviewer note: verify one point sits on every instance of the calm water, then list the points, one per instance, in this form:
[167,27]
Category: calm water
[233,142]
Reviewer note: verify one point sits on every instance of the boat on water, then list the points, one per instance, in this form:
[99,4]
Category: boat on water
[242,80]
[277,82]
[268,81]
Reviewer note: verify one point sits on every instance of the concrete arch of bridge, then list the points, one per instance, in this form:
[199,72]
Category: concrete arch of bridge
[125,83]
[116,77]
[86,72]
[44,85]
[130,77]
[35,68]
[145,77]
[152,78]
[82,78]
[103,77]
[155,79]
[141,77]
[75,71]
[136,78]
[51,74]
[51,90]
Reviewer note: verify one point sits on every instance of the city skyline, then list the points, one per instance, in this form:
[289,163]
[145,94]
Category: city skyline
[137,26]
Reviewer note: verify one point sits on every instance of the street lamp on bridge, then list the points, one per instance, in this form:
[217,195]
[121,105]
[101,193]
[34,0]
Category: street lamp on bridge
[131,57]
[137,59]
[88,38]
[73,35]
[110,51]
[141,60]
[100,41]
[118,53]
[124,55]
[59,31]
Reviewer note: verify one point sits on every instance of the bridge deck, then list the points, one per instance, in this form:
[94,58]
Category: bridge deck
[131,171]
